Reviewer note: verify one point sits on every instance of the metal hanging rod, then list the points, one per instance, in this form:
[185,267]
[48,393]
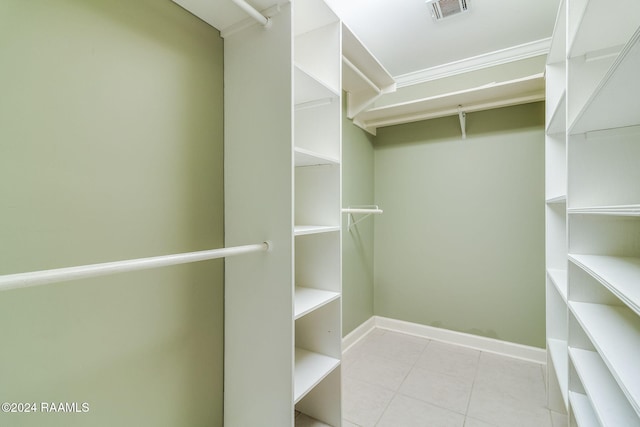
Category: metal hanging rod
[43,277]
[251,11]
[366,210]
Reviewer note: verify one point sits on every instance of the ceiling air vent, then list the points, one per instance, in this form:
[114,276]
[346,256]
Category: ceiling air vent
[441,9]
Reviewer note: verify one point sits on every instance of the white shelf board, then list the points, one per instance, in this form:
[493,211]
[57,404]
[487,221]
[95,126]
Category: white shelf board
[558,48]
[310,369]
[559,355]
[358,54]
[588,35]
[621,275]
[616,100]
[303,157]
[309,299]
[557,200]
[582,410]
[494,95]
[622,210]
[309,89]
[615,332]
[558,121]
[301,230]
[559,279]
[608,402]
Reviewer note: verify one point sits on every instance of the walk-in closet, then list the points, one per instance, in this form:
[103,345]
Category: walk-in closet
[319,213]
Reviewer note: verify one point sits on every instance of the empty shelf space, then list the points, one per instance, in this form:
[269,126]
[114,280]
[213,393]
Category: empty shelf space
[622,210]
[582,410]
[608,402]
[310,89]
[309,299]
[588,18]
[310,369]
[621,275]
[559,279]
[615,332]
[309,158]
[614,103]
[302,230]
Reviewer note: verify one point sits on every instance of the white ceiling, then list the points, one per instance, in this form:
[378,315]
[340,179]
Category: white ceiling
[402,35]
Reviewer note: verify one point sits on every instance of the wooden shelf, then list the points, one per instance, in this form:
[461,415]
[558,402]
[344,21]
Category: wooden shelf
[558,351]
[559,279]
[615,102]
[302,230]
[309,89]
[588,18]
[557,123]
[582,410]
[615,332]
[557,200]
[558,48]
[310,369]
[498,94]
[621,275]
[608,402]
[363,77]
[309,299]
[304,157]
[622,210]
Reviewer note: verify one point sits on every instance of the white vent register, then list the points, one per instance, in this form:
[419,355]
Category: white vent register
[441,9]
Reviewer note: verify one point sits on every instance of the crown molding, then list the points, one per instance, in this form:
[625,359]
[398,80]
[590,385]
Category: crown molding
[498,57]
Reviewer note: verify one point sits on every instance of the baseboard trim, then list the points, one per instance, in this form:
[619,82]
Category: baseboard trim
[518,351]
[358,333]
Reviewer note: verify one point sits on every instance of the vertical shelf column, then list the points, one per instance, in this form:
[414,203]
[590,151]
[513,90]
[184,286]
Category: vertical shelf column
[258,206]
[317,212]
[556,218]
[603,212]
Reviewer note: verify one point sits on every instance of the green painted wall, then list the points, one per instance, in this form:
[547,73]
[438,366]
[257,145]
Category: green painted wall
[111,144]
[461,243]
[357,243]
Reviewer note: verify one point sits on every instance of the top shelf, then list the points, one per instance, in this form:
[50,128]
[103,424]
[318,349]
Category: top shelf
[616,100]
[492,95]
[587,19]
[559,41]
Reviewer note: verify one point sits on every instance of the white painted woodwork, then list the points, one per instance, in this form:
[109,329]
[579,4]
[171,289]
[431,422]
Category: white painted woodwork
[593,211]
[310,369]
[610,406]
[615,102]
[309,299]
[283,184]
[363,77]
[317,148]
[582,410]
[522,90]
[259,205]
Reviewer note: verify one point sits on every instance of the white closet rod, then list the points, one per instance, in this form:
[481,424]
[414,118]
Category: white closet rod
[35,278]
[374,211]
[242,4]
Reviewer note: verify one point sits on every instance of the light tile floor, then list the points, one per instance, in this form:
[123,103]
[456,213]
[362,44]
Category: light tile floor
[396,380]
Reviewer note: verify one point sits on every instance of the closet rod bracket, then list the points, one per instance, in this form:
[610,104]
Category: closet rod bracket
[367,210]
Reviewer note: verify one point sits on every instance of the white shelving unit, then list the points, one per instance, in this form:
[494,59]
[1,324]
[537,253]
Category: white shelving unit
[593,147]
[283,184]
[317,149]
[556,221]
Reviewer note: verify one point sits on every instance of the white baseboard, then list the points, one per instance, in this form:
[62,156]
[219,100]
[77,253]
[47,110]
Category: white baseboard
[358,333]
[519,351]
